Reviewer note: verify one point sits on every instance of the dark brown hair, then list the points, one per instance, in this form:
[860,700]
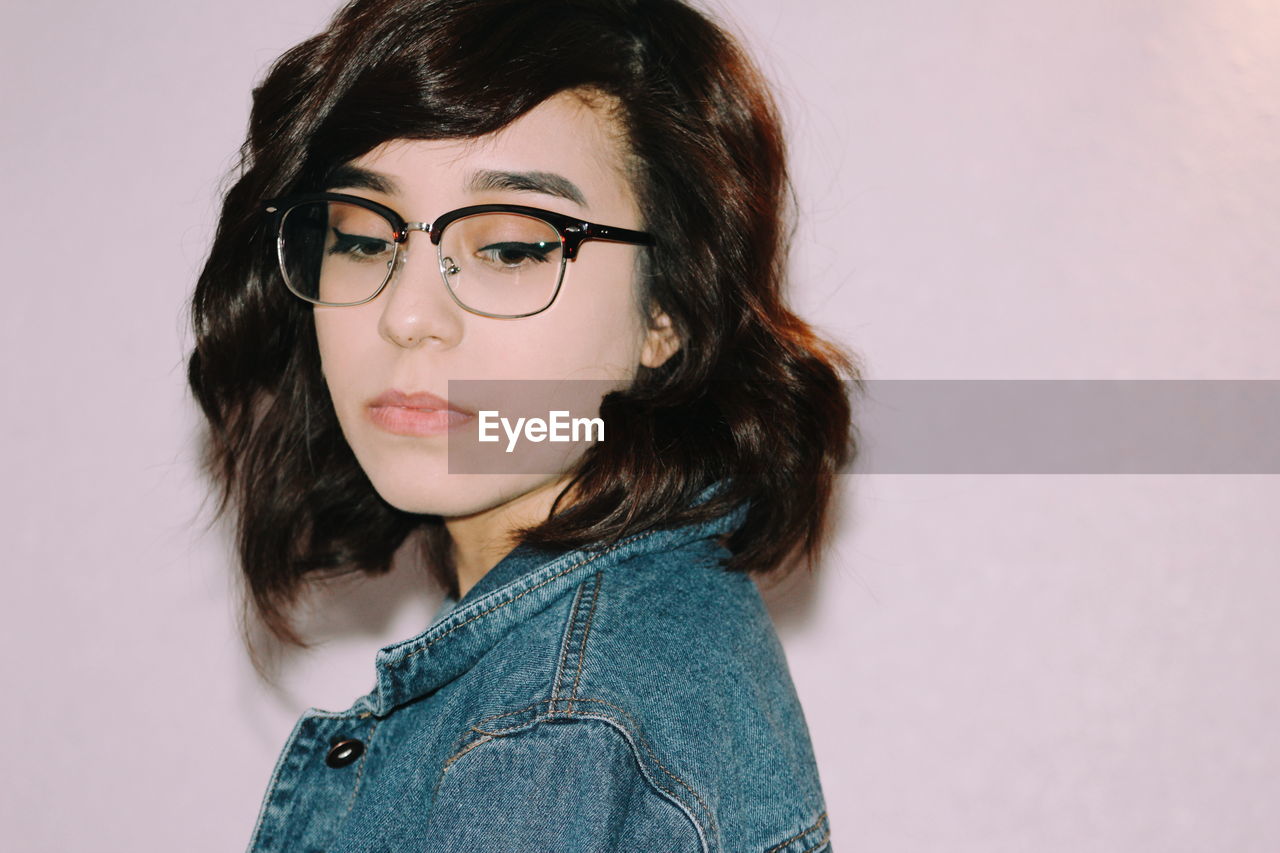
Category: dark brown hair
[753,398]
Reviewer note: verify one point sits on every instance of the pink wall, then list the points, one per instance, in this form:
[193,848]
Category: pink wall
[994,190]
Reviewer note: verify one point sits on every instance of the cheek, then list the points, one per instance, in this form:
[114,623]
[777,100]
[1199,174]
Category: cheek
[342,340]
[595,326]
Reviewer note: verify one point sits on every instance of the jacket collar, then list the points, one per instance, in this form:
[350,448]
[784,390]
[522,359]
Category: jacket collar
[523,583]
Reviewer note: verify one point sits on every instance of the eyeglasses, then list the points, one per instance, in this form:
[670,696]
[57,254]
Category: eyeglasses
[497,260]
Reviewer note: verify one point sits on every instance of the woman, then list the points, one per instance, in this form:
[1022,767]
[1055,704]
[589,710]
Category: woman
[444,190]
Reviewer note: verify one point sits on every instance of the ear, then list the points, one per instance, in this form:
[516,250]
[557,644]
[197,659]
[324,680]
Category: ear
[660,342]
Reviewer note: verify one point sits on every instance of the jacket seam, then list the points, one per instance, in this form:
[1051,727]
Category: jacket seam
[564,647]
[467,748]
[571,639]
[586,630]
[632,737]
[364,762]
[643,742]
[520,595]
[822,842]
[817,823]
[276,775]
[490,733]
[703,834]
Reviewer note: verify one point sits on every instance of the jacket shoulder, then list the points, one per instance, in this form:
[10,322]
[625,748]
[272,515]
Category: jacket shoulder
[682,656]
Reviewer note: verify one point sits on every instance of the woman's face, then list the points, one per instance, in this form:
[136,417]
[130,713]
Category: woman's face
[414,338]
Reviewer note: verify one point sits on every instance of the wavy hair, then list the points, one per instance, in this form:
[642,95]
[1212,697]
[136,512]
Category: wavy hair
[753,398]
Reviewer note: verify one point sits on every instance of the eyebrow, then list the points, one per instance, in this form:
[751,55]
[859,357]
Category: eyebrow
[348,176]
[547,183]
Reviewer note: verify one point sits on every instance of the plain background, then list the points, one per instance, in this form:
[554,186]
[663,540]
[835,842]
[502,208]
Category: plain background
[997,189]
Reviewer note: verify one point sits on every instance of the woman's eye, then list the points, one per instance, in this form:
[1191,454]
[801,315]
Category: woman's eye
[358,247]
[515,254]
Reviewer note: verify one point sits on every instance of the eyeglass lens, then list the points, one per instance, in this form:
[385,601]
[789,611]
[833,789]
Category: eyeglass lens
[505,264]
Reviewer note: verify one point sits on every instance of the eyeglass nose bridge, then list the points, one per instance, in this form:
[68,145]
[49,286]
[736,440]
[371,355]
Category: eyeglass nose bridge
[447,266]
[402,244]
[424,227]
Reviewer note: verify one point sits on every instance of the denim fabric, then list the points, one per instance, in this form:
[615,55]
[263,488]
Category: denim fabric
[634,698]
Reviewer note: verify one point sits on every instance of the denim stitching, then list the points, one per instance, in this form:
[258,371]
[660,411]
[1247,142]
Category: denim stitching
[444,768]
[276,774]
[652,754]
[501,732]
[586,629]
[564,646]
[466,749]
[635,723]
[822,842]
[816,824]
[628,734]
[509,713]
[364,761]
[590,559]
[493,735]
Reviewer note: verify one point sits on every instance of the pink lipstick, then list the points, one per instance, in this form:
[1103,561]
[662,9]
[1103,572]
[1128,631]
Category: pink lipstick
[419,413]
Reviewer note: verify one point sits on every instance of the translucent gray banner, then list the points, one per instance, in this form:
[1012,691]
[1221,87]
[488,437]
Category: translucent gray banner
[1066,426]
[931,426]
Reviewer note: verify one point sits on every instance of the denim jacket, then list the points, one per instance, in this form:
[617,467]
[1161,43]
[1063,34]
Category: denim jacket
[634,698]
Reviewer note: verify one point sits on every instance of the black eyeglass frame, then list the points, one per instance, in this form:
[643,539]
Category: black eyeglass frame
[573,233]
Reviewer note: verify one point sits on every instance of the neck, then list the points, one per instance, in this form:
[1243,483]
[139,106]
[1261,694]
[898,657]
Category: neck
[481,540]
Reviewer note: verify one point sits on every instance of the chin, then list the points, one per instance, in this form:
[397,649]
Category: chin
[452,495]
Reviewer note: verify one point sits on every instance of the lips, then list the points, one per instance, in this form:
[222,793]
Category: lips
[419,413]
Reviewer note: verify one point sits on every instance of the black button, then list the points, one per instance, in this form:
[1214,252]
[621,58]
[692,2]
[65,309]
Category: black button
[343,752]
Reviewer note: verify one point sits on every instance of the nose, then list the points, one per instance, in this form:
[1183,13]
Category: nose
[417,309]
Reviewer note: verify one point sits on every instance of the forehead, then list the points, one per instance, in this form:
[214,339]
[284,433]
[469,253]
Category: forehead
[572,135]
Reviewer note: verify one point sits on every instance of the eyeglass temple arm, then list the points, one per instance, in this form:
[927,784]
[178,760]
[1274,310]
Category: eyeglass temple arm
[616,235]
[577,233]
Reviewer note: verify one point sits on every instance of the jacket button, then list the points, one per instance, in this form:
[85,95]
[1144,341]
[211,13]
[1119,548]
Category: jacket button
[343,752]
